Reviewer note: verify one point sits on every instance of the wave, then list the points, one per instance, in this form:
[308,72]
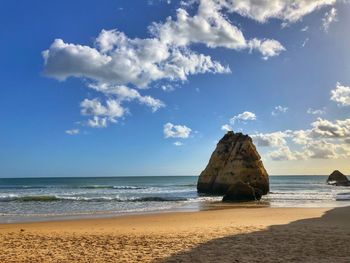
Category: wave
[343,197]
[29,198]
[53,198]
[117,187]
[111,187]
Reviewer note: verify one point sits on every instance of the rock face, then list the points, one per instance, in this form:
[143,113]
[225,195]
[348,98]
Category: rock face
[235,168]
[240,192]
[338,179]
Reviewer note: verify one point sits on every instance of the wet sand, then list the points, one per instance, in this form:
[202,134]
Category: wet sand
[228,235]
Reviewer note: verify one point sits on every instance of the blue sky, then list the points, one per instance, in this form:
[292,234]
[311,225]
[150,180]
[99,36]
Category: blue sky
[116,94]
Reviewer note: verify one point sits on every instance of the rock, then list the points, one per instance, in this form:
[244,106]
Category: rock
[338,179]
[235,162]
[240,192]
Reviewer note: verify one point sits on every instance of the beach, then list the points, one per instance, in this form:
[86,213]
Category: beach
[223,235]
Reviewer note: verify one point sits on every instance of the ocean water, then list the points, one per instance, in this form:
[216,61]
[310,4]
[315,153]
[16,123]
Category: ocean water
[31,199]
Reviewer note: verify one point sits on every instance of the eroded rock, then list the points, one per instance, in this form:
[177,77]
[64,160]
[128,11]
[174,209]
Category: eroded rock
[234,162]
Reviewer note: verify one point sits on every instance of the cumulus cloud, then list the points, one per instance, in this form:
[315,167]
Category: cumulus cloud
[282,154]
[72,132]
[324,140]
[289,11]
[123,93]
[329,18]
[210,27]
[268,47]
[167,54]
[274,139]
[327,129]
[118,60]
[341,95]
[244,116]
[278,110]
[176,131]
[101,114]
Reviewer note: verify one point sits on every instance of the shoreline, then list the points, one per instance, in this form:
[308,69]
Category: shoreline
[144,216]
[207,206]
[185,208]
[243,234]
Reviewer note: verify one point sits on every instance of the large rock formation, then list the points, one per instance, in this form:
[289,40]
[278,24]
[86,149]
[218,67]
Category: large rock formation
[338,179]
[234,163]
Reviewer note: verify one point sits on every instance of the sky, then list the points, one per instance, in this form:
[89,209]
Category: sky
[133,88]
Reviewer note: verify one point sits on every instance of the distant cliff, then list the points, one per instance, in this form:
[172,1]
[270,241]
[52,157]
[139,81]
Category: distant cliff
[235,168]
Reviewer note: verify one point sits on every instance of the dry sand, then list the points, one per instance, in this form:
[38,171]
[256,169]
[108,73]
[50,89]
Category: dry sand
[229,235]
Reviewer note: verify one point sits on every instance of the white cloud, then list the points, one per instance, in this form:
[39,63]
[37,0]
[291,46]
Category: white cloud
[325,140]
[268,47]
[274,139]
[289,11]
[329,18]
[121,60]
[176,131]
[282,154]
[177,143]
[316,111]
[128,63]
[226,127]
[327,129]
[72,131]
[124,61]
[341,95]
[278,110]
[301,137]
[210,26]
[97,122]
[244,116]
[304,29]
[320,150]
[123,93]
[102,114]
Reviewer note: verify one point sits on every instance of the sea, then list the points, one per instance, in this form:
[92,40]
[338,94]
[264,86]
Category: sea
[42,199]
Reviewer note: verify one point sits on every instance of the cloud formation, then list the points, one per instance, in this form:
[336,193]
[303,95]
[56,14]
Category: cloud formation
[279,110]
[324,140]
[176,131]
[289,11]
[329,18]
[341,95]
[101,114]
[244,116]
[226,127]
[275,139]
[121,63]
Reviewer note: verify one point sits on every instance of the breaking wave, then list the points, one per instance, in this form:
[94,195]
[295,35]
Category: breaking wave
[53,198]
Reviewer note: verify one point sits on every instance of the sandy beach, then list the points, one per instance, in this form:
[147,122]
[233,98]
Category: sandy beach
[228,235]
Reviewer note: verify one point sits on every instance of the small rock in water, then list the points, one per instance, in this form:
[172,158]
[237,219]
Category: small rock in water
[338,179]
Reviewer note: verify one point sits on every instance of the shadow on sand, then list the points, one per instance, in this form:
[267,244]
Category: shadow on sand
[324,239]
